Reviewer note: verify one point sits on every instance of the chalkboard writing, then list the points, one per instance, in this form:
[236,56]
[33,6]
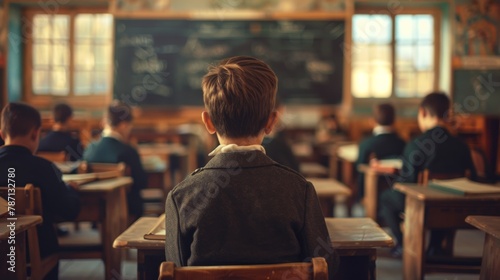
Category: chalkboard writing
[162,62]
[476,92]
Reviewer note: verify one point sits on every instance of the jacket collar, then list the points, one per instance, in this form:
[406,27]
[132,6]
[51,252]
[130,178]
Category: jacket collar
[240,159]
[15,149]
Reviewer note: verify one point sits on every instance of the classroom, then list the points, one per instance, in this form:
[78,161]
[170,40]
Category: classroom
[238,139]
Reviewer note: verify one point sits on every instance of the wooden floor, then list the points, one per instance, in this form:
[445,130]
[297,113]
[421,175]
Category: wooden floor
[467,243]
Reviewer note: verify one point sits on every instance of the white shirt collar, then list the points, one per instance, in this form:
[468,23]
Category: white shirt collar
[235,148]
[382,129]
[112,134]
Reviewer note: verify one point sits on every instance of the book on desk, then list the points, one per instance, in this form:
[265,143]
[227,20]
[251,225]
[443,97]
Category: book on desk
[157,232]
[464,187]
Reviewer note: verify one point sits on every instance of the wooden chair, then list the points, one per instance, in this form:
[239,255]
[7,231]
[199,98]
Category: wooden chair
[53,156]
[317,269]
[425,176]
[29,202]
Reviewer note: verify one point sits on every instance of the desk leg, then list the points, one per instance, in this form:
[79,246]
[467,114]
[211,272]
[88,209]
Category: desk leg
[334,171]
[111,230]
[414,239]
[490,268]
[148,263]
[371,195]
[348,179]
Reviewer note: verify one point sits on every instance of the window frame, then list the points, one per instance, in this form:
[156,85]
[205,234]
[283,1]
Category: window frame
[374,10]
[93,100]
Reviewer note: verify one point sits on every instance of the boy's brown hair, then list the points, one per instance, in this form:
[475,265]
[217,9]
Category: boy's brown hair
[239,95]
[118,112]
[62,112]
[437,104]
[18,119]
[384,114]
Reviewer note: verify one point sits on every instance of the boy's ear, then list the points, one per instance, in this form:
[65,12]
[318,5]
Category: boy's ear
[205,117]
[271,122]
[35,133]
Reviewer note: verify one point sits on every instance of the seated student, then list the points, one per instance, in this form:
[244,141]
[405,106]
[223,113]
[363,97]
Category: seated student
[385,142]
[113,148]
[328,130]
[242,207]
[277,147]
[435,149]
[20,127]
[60,139]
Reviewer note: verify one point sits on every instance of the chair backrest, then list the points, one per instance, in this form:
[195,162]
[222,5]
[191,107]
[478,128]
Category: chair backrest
[317,269]
[425,176]
[29,202]
[483,168]
[54,156]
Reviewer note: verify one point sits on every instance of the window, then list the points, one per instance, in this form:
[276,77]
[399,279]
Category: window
[71,55]
[393,55]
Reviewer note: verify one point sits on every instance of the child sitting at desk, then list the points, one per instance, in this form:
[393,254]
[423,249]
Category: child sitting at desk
[436,149]
[20,128]
[384,143]
[113,148]
[60,139]
[242,207]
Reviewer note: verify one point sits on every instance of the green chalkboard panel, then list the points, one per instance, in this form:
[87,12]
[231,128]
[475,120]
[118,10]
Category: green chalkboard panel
[162,62]
[476,92]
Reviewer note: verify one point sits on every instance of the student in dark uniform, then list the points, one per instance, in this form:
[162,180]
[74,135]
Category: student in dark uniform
[242,207]
[384,143]
[277,146]
[21,130]
[437,150]
[113,147]
[60,139]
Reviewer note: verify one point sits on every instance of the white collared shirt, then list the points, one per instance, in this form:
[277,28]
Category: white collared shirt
[112,134]
[382,129]
[235,148]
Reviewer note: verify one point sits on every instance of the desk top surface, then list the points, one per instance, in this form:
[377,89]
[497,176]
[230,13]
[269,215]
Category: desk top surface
[357,233]
[488,224]
[429,194]
[22,223]
[345,233]
[162,149]
[106,185]
[329,187]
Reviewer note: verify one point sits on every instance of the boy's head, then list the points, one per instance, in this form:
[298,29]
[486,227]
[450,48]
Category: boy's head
[119,118]
[384,114]
[239,95]
[433,109]
[21,125]
[62,113]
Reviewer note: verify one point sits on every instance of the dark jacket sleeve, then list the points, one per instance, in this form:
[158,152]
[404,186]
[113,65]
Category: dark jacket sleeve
[470,165]
[409,172]
[59,200]
[363,158]
[173,240]
[315,240]
[133,161]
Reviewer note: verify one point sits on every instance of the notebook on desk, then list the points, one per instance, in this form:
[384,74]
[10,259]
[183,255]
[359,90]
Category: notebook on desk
[158,231]
[464,187]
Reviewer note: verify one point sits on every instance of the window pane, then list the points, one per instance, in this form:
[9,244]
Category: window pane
[83,82]
[425,25]
[41,83]
[405,84]
[60,55]
[425,83]
[371,29]
[102,81]
[405,28]
[84,57]
[104,24]
[41,26]
[360,82]
[381,82]
[60,27]
[84,24]
[60,81]
[41,54]
[102,56]
[424,60]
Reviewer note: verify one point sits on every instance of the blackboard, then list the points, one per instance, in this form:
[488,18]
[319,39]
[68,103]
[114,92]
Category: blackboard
[476,92]
[162,62]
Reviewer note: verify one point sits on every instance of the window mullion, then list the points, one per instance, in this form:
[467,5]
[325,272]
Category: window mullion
[72,54]
[393,55]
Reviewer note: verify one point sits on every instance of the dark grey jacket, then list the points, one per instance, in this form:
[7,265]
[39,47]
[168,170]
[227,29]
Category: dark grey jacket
[244,208]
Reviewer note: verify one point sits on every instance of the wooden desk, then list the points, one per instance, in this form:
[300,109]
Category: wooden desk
[354,239]
[327,190]
[427,208]
[345,154]
[371,185]
[164,151]
[23,223]
[104,202]
[490,267]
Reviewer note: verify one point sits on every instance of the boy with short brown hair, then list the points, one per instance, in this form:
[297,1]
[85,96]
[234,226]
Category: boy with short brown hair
[242,207]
